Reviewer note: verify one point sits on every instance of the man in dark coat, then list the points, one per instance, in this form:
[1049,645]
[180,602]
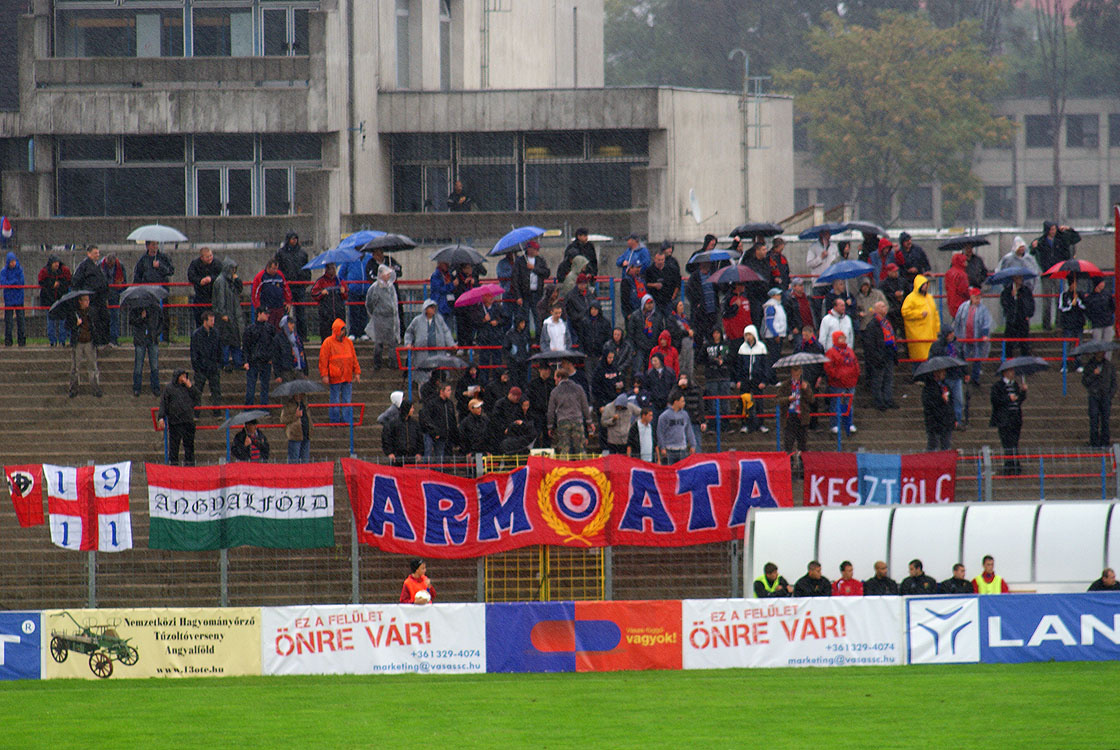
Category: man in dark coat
[910,258]
[475,429]
[1054,245]
[155,267]
[441,424]
[88,276]
[250,444]
[401,439]
[1018,307]
[917,583]
[526,283]
[937,408]
[771,585]
[880,357]
[974,267]
[206,357]
[260,347]
[812,583]
[144,320]
[176,415]
[958,584]
[292,260]
[1099,379]
[202,273]
[880,584]
[1007,397]
[662,283]
[579,246]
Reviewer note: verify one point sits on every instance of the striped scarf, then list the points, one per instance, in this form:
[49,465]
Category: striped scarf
[888,331]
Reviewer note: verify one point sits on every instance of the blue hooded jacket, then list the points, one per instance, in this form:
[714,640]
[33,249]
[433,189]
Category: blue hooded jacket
[10,277]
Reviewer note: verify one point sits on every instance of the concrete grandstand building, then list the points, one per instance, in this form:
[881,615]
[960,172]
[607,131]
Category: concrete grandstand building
[245,118]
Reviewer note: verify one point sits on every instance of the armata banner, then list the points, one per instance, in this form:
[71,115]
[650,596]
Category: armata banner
[879,478]
[817,632]
[261,505]
[374,639]
[608,501]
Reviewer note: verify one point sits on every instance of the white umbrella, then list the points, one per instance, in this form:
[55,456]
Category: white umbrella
[157,233]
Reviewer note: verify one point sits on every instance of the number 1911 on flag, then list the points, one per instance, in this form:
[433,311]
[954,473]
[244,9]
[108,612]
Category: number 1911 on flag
[88,506]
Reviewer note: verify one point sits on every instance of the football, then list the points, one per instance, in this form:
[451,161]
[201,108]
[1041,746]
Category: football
[422,597]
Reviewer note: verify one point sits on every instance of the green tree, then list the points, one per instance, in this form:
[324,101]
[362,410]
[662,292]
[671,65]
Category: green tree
[889,109]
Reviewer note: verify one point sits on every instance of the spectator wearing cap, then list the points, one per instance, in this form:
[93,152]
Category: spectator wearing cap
[530,272]
[662,283]
[583,247]
[1020,258]
[910,258]
[475,429]
[775,324]
[632,289]
[503,412]
[672,262]
[973,327]
[635,252]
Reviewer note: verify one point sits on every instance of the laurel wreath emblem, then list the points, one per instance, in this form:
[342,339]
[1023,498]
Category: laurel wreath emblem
[557,524]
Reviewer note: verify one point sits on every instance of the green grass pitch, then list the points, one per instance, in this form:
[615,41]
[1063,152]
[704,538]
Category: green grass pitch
[1056,705]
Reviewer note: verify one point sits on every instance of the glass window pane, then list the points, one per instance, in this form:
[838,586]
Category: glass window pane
[605,186]
[240,198]
[1114,130]
[1040,202]
[81,192]
[153,148]
[152,191]
[1083,201]
[1082,131]
[87,149]
[223,148]
[408,195]
[276,191]
[172,43]
[1038,131]
[300,37]
[95,33]
[222,32]
[487,145]
[297,147]
[276,31]
[403,56]
[444,45]
[619,143]
[207,186]
[553,145]
[422,147]
[492,187]
[999,203]
[435,182]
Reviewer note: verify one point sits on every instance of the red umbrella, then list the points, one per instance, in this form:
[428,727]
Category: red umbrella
[735,274]
[1066,267]
[474,296]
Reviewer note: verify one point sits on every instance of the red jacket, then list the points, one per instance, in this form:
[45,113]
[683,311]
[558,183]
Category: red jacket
[850,587]
[842,368]
[956,283]
[669,355]
[733,325]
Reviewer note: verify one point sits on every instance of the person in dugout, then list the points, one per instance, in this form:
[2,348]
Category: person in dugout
[417,588]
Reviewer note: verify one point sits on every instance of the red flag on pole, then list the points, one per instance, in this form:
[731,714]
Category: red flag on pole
[25,485]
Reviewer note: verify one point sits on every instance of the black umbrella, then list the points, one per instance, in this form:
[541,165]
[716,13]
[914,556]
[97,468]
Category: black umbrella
[299,385]
[59,309]
[388,243]
[757,229]
[735,274]
[958,243]
[866,227]
[1092,347]
[145,295]
[457,255]
[243,417]
[442,361]
[933,364]
[557,354]
[1024,365]
[800,359]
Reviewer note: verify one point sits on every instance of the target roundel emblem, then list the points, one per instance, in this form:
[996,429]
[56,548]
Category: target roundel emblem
[579,495]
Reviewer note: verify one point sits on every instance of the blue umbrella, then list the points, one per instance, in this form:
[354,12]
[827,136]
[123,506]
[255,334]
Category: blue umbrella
[709,256]
[832,227]
[358,239]
[511,242]
[845,269]
[1007,274]
[336,255]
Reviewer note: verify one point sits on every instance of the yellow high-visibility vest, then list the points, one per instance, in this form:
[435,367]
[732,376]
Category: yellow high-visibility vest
[983,587]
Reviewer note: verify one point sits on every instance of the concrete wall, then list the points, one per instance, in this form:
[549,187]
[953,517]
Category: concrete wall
[769,158]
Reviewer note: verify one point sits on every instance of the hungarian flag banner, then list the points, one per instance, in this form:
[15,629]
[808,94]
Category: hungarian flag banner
[612,500]
[88,506]
[244,504]
[25,485]
[879,478]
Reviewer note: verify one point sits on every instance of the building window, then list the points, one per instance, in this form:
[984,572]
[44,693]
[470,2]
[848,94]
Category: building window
[404,40]
[1040,202]
[1082,131]
[999,204]
[1114,131]
[222,32]
[445,45]
[1083,201]
[800,198]
[284,30]
[956,213]
[831,197]
[1040,134]
[1113,199]
[916,204]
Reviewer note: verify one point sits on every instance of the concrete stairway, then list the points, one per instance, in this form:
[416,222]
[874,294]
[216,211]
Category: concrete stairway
[43,425]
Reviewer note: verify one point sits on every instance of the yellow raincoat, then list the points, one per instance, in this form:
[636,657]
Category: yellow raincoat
[919,315]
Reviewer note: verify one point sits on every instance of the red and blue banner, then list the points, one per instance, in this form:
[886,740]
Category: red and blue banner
[583,636]
[879,478]
[21,642]
[613,500]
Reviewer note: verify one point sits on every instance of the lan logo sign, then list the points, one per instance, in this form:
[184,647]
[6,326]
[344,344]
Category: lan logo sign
[943,630]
